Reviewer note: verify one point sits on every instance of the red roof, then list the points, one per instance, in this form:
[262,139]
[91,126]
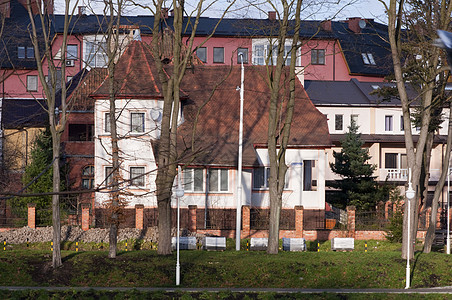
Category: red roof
[217,127]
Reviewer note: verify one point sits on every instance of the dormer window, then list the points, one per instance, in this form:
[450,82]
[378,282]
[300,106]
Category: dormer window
[25,52]
[368,59]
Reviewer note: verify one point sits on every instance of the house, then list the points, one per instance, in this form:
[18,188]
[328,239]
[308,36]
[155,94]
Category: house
[210,166]
[381,127]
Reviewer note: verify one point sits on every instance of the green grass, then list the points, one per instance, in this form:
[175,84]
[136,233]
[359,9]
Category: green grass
[380,267]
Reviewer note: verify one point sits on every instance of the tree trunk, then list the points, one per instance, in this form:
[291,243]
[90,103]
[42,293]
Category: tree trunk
[430,235]
[56,254]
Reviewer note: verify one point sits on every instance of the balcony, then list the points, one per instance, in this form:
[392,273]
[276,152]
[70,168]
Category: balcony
[402,174]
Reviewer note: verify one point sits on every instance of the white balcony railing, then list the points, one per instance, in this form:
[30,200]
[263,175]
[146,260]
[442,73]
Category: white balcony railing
[402,174]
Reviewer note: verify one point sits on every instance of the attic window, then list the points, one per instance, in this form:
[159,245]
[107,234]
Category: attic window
[375,87]
[368,59]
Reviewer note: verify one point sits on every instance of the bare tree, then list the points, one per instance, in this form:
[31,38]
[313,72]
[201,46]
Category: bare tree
[435,15]
[171,80]
[41,34]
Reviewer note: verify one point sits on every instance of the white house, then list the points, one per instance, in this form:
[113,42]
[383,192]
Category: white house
[207,136]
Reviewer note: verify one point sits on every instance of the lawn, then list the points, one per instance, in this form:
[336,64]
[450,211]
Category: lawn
[380,267]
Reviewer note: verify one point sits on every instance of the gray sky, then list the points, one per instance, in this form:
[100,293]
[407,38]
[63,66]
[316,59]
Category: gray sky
[315,9]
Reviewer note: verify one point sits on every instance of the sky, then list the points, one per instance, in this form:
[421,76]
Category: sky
[314,9]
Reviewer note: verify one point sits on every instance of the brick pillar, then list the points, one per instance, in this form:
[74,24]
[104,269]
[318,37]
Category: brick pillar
[246,215]
[438,218]
[32,215]
[85,216]
[139,216]
[387,204]
[351,221]
[299,221]
[192,209]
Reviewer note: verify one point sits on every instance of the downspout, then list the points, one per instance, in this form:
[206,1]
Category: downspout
[207,198]
[80,53]
[334,61]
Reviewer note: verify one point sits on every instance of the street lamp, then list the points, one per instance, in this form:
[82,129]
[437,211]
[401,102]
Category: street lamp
[239,167]
[179,194]
[410,193]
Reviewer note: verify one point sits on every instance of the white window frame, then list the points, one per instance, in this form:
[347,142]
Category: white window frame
[402,124]
[94,48]
[106,123]
[266,174]
[32,83]
[222,176]
[70,54]
[189,179]
[389,123]
[368,58]
[261,49]
[135,128]
[140,180]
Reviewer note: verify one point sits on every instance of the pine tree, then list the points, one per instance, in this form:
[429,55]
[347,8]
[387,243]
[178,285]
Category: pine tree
[357,184]
[40,172]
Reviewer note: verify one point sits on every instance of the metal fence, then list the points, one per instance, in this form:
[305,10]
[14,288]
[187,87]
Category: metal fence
[214,218]
[371,220]
[260,218]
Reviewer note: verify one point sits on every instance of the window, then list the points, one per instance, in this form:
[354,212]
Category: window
[108,176]
[30,52]
[80,132]
[32,83]
[259,55]
[402,125]
[368,59]
[137,122]
[21,52]
[201,52]
[88,177]
[318,56]
[137,176]
[388,123]
[95,52]
[72,52]
[310,175]
[339,122]
[260,177]
[193,180]
[354,118]
[242,53]
[107,122]
[218,55]
[218,180]
[391,160]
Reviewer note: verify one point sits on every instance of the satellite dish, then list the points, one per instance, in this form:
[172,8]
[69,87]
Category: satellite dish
[156,114]
[362,24]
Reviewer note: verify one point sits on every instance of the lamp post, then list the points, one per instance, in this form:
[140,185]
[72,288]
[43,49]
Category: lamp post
[179,194]
[410,193]
[239,167]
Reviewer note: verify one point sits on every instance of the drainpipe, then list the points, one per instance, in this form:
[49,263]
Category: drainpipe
[207,198]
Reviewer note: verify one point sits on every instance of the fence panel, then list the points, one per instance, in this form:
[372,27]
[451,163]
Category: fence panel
[260,219]
[313,219]
[214,218]
[371,220]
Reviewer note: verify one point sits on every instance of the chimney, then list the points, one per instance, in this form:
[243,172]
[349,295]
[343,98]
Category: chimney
[5,8]
[356,24]
[82,10]
[48,7]
[164,12]
[272,15]
[326,25]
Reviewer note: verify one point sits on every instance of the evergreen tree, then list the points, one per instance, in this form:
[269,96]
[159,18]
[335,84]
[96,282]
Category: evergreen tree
[41,159]
[357,183]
